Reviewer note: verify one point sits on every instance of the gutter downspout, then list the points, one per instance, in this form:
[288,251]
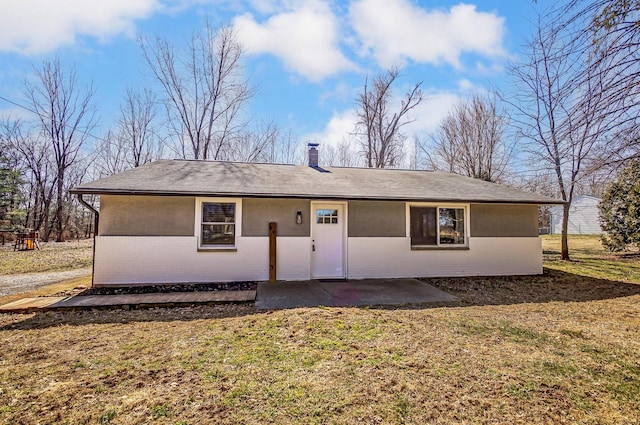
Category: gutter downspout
[96,215]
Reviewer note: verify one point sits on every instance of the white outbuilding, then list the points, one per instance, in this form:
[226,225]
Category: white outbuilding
[584,217]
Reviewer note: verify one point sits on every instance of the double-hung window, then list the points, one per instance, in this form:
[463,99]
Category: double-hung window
[435,226]
[218,224]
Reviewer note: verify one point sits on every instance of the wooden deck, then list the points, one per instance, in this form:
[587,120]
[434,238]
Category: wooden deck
[133,301]
[30,304]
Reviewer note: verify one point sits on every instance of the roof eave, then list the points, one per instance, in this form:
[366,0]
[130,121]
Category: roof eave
[87,191]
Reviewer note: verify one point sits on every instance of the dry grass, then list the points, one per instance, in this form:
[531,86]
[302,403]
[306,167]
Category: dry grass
[52,256]
[559,348]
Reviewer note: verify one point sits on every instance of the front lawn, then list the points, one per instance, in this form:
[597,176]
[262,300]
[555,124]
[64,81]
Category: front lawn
[52,256]
[559,348]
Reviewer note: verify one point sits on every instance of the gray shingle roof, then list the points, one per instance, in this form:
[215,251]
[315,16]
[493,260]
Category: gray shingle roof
[214,178]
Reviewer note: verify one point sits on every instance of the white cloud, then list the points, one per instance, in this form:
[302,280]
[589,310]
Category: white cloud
[428,114]
[394,31]
[305,39]
[39,26]
[465,85]
[341,92]
[337,129]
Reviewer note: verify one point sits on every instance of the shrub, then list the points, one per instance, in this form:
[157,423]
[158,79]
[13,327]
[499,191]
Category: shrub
[620,210]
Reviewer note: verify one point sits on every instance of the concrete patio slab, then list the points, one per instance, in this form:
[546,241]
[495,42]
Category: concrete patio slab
[313,293]
[269,296]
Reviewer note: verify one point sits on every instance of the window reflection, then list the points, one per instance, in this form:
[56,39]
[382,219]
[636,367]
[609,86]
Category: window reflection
[326,216]
[451,226]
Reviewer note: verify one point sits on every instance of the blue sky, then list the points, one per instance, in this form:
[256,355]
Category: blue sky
[307,59]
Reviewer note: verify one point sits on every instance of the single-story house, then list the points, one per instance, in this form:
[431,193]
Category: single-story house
[584,217]
[194,221]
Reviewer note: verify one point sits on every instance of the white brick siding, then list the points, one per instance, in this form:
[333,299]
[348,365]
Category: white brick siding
[157,259]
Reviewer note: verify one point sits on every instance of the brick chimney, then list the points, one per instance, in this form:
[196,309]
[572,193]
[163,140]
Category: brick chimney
[313,155]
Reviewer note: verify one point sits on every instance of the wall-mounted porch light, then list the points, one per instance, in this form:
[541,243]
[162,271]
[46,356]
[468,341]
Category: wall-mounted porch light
[298,217]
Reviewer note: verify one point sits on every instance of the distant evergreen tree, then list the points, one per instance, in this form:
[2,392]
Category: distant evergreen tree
[620,210]
[11,214]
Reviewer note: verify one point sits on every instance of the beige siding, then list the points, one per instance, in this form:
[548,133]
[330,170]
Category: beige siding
[132,215]
[258,213]
[377,219]
[494,220]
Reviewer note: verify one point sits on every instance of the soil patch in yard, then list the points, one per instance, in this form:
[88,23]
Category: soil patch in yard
[175,287]
[553,285]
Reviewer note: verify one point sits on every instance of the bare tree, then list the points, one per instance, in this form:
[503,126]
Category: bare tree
[608,32]
[254,146]
[66,115]
[204,89]
[379,124]
[136,125]
[111,155]
[74,213]
[288,149]
[560,112]
[341,155]
[134,142]
[595,182]
[32,154]
[470,140]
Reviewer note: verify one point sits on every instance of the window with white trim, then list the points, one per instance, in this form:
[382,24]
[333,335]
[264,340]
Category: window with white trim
[433,226]
[218,224]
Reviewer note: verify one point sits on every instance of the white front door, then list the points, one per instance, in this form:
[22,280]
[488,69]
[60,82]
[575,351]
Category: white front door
[327,245]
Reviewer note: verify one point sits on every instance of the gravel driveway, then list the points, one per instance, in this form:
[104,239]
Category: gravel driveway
[19,283]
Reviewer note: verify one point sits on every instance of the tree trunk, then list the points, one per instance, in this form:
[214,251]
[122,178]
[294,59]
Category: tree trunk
[565,228]
[59,208]
[45,224]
